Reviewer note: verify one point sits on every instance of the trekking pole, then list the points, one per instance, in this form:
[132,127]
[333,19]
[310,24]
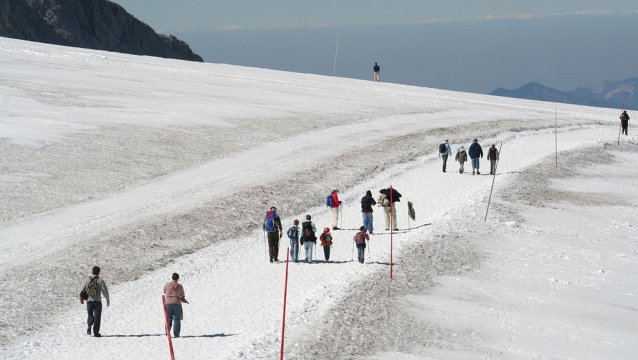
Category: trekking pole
[341,215]
[493,179]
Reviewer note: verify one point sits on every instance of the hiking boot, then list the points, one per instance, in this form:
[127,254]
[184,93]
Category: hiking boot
[270,259]
[473,172]
[335,228]
[477,172]
[176,336]
[307,260]
[98,335]
[88,330]
[395,229]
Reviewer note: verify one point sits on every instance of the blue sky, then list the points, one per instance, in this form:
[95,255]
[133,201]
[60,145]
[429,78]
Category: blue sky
[474,46]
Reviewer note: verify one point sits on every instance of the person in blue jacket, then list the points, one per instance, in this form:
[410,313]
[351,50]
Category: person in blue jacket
[475,152]
[444,152]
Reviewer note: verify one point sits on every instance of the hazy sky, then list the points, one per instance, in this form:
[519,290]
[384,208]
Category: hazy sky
[474,46]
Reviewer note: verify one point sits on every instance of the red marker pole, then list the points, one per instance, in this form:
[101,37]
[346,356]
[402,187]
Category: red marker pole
[621,111]
[556,132]
[391,231]
[168,331]
[283,323]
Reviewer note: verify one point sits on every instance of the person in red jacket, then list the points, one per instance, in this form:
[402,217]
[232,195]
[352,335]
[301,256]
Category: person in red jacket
[335,209]
[326,242]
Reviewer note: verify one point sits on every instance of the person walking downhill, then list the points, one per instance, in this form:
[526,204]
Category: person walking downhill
[293,235]
[475,152]
[461,157]
[392,196]
[326,242]
[308,237]
[174,297]
[360,239]
[624,121]
[92,290]
[492,156]
[376,69]
[272,225]
[335,209]
[367,202]
[444,152]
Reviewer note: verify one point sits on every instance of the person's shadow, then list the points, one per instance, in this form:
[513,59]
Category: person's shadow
[151,335]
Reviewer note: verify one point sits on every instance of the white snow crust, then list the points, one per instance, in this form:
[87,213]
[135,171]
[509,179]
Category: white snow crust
[148,166]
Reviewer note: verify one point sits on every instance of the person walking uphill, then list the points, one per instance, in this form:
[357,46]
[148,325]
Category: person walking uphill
[492,156]
[367,202]
[308,237]
[475,152]
[624,122]
[444,152]
[293,235]
[174,297]
[360,239]
[326,242]
[272,225]
[376,69]
[92,291]
[461,157]
[334,206]
[388,199]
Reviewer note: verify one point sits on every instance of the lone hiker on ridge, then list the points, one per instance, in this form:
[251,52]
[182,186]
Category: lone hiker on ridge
[175,296]
[94,287]
[444,151]
[376,72]
[624,121]
[272,225]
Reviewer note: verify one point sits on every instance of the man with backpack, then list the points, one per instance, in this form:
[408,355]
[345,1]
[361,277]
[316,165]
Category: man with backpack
[475,152]
[308,237]
[444,151]
[376,69]
[360,239]
[367,202]
[92,291]
[492,156]
[333,201]
[388,200]
[624,121]
[293,235]
[272,225]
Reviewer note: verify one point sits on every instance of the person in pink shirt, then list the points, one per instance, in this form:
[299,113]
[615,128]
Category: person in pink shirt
[174,296]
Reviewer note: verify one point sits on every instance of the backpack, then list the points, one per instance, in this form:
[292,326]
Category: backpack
[330,201]
[492,153]
[92,288]
[442,148]
[293,232]
[271,217]
[383,200]
[308,234]
[359,238]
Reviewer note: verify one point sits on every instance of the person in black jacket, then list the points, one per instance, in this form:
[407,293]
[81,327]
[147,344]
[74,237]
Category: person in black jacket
[367,202]
[376,72]
[475,152]
[624,121]
[392,196]
[492,156]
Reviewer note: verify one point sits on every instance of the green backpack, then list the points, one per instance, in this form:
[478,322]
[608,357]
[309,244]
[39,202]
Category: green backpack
[92,288]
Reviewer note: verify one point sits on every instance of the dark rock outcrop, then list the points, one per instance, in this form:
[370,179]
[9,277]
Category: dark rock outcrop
[92,24]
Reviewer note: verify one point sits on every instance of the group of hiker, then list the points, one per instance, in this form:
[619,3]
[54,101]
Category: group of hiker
[475,153]
[306,234]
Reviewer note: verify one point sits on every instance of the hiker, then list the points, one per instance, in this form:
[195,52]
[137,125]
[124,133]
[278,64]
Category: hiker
[376,72]
[367,202]
[475,152]
[388,203]
[272,225]
[293,235]
[174,297]
[308,237]
[624,121]
[360,239]
[334,206]
[92,291]
[326,242]
[461,157]
[492,156]
[444,151]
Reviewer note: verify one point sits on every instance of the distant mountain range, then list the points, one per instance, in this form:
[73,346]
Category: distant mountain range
[91,24]
[607,94]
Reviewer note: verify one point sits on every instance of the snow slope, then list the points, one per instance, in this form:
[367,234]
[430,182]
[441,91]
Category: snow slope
[147,166]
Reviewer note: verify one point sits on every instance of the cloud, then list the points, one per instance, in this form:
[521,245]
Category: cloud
[230,27]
